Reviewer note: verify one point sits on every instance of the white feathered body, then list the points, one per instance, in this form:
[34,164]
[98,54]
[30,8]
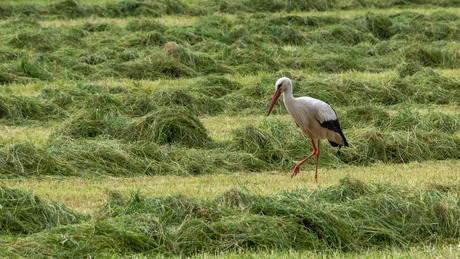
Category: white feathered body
[309,113]
[315,118]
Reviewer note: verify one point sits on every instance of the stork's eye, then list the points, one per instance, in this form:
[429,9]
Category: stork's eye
[278,86]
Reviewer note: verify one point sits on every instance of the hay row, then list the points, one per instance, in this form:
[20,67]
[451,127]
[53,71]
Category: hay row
[248,44]
[24,213]
[79,9]
[20,109]
[84,157]
[213,95]
[120,9]
[282,144]
[402,120]
[350,216]
[270,145]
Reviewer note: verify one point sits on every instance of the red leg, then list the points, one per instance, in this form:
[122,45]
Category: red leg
[297,166]
[317,158]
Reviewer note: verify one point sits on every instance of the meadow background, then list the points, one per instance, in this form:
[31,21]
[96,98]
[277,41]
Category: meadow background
[138,128]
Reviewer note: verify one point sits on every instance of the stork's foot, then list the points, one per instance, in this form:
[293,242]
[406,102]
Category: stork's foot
[295,171]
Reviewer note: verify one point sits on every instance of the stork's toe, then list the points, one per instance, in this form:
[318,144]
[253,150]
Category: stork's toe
[295,171]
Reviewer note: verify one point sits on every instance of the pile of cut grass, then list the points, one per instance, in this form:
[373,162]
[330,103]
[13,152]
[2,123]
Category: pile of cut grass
[423,87]
[138,128]
[25,160]
[92,123]
[275,142]
[397,139]
[24,213]
[372,145]
[22,109]
[213,95]
[201,98]
[81,96]
[190,99]
[110,157]
[215,86]
[167,126]
[89,157]
[242,44]
[350,216]
[404,119]
[71,9]
[217,160]
[158,144]
[155,66]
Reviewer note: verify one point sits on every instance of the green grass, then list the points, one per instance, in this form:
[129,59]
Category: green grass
[23,213]
[350,217]
[87,194]
[166,101]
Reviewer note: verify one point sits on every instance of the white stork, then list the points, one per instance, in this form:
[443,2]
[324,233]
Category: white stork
[315,118]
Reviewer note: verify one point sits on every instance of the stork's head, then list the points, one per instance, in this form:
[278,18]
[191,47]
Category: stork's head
[280,86]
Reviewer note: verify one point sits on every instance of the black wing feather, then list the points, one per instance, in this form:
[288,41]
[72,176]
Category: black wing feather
[334,126]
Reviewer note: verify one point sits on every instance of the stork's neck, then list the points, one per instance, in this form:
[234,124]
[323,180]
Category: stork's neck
[287,96]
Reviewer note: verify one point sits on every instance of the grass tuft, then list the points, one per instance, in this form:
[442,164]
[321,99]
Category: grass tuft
[91,124]
[347,217]
[216,86]
[18,109]
[24,213]
[166,126]
[401,146]
[25,159]
[379,25]
[68,8]
[93,157]
[408,69]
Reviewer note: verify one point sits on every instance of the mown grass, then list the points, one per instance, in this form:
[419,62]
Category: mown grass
[350,216]
[117,119]
[104,8]
[226,44]
[150,94]
[88,194]
[23,213]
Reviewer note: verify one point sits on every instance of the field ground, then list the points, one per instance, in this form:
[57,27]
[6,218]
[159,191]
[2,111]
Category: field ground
[139,129]
[88,194]
[425,252]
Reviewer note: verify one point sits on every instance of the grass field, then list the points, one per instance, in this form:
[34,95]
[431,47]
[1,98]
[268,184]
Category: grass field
[138,128]
[88,194]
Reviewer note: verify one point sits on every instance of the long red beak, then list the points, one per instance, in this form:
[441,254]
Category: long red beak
[276,95]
